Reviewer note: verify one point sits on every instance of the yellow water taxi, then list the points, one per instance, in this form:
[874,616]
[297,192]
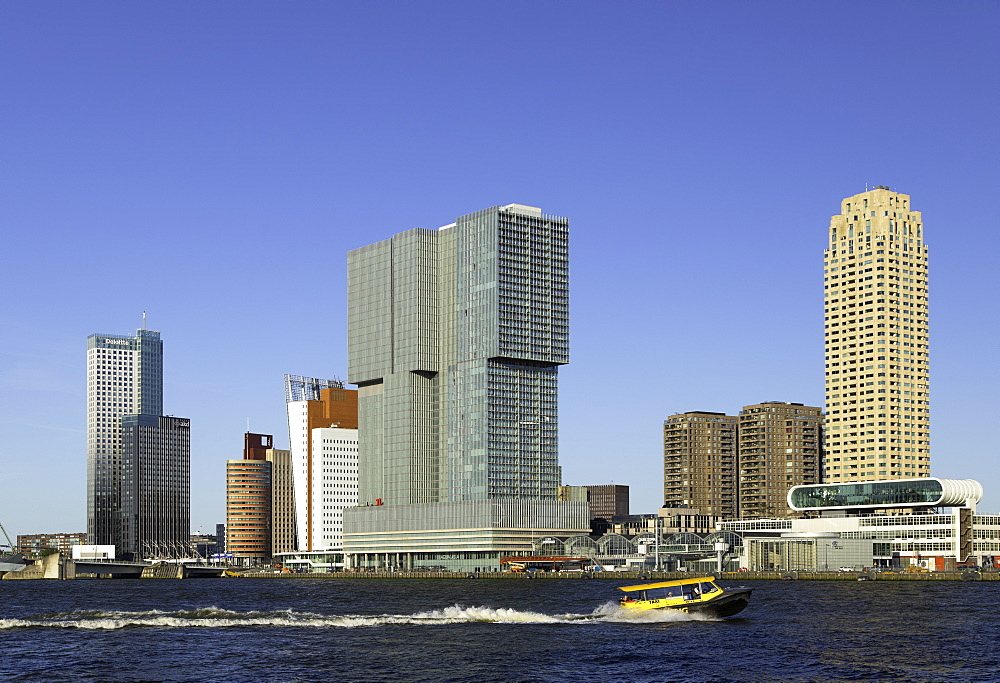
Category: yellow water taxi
[698,595]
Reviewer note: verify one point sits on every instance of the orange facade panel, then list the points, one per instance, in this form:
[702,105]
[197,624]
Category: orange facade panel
[336,408]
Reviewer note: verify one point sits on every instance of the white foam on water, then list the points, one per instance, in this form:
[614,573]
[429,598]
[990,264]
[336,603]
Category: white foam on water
[613,612]
[457,614]
[214,617]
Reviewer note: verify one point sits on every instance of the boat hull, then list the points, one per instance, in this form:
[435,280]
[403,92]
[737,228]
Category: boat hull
[726,605]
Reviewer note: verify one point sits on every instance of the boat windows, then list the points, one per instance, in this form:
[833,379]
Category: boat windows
[692,590]
[663,593]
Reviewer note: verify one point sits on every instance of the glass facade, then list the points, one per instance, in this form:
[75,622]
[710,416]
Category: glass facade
[924,492]
[124,377]
[394,347]
[299,388]
[455,337]
[156,484]
[462,535]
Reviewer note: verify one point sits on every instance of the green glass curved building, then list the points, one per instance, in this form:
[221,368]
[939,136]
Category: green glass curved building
[926,492]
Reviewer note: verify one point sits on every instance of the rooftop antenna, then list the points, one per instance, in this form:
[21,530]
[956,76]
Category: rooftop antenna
[144,320]
[248,425]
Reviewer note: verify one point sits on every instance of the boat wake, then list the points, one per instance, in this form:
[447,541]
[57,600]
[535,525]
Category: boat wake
[611,612]
[214,617]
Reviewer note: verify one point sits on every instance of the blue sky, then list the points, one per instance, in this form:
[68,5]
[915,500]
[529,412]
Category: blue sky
[212,163]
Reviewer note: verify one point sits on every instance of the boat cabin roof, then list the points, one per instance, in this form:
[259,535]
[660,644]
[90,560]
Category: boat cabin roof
[667,584]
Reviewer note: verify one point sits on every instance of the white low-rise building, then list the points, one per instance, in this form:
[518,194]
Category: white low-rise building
[927,522]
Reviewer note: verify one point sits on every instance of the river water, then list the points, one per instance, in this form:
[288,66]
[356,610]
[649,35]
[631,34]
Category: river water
[458,630]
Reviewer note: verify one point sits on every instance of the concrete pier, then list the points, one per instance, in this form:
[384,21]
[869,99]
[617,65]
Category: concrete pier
[53,566]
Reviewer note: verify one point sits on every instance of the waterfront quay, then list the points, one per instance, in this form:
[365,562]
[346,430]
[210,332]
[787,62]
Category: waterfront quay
[61,568]
[641,576]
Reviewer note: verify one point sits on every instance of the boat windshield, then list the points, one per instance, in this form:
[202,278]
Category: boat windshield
[694,591]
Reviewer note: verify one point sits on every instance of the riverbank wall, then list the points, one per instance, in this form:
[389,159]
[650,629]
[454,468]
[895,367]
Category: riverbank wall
[642,576]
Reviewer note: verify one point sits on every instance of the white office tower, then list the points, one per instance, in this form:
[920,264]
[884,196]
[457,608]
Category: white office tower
[335,477]
[323,440]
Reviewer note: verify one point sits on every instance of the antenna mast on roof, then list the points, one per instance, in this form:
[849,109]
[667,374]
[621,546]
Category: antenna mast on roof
[144,320]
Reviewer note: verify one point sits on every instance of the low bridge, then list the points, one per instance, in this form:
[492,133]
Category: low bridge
[57,566]
[131,570]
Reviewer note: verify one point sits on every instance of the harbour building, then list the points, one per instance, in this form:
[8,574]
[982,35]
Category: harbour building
[323,440]
[455,337]
[283,523]
[33,545]
[134,459]
[607,501]
[917,524]
[877,366]
[741,466]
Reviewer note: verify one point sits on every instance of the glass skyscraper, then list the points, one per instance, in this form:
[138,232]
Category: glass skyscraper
[156,487]
[455,337]
[126,454]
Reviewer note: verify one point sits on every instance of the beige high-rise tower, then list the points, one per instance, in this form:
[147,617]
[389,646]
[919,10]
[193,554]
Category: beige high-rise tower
[877,371]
